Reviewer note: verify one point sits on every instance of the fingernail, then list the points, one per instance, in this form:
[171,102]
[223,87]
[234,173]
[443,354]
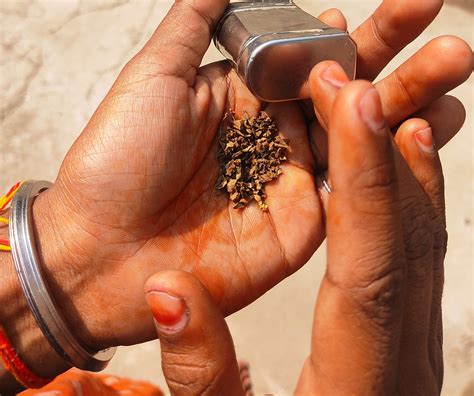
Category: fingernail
[335,76]
[370,109]
[170,312]
[424,139]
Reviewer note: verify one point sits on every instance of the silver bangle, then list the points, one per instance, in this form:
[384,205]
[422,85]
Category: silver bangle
[36,291]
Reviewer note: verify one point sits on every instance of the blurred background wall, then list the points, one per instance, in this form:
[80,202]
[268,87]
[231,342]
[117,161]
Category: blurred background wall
[58,59]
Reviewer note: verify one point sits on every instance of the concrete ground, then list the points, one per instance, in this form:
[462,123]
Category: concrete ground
[58,58]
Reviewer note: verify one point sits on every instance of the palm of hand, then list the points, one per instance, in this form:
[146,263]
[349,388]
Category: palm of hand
[145,195]
[138,185]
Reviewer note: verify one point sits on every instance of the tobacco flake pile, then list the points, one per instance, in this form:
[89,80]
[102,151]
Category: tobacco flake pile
[250,154]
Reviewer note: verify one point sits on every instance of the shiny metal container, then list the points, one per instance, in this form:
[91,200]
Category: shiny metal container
[274,45]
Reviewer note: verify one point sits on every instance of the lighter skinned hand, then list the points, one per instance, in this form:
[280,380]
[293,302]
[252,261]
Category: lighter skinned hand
[377,322]
[135,194]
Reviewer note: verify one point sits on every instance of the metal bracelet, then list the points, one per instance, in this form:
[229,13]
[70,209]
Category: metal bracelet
[30,274]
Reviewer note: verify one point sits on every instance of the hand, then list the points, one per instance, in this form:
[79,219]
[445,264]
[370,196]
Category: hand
[379,304]
[418,85]
[135,194]
[377,322]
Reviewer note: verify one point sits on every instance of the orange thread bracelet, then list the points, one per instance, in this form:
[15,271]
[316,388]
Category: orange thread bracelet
[17,367]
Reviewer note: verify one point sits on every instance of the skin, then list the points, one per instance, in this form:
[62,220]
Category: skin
[377,321]
[379,302]
[137,187]
[135,194]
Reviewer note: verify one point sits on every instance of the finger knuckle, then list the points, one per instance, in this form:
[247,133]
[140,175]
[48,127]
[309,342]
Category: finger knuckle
[378,34]
[196,13]
[417,230]
[189,378]
[440,248]
[376,186]
[434,188]
[441,240]
[404,86]
[192,376]
[378,293]
[150,63]
[380,298]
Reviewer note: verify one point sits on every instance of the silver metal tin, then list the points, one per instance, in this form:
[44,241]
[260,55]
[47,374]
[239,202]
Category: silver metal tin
[274,45]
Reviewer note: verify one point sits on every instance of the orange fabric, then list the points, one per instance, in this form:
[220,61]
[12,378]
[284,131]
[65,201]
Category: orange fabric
[82,383]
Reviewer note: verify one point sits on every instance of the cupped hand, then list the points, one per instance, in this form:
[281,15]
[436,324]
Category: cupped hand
[135,194]
[377,321]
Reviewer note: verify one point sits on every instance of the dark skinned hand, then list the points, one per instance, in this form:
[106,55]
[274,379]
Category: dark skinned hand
[377,326]
[135,194]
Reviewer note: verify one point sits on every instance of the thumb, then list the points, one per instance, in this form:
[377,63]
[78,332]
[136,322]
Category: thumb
[197,352]
[178,45]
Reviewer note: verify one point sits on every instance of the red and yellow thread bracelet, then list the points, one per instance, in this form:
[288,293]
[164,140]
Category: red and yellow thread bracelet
[4,201]
[5,245]
[13,363]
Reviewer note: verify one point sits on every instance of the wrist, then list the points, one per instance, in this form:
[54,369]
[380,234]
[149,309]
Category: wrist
[65,260]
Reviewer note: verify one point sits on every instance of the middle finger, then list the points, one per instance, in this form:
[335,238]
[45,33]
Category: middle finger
[438,67]
[388,30]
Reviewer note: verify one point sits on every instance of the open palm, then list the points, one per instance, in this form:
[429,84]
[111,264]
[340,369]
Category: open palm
[144,194]
[137,188]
